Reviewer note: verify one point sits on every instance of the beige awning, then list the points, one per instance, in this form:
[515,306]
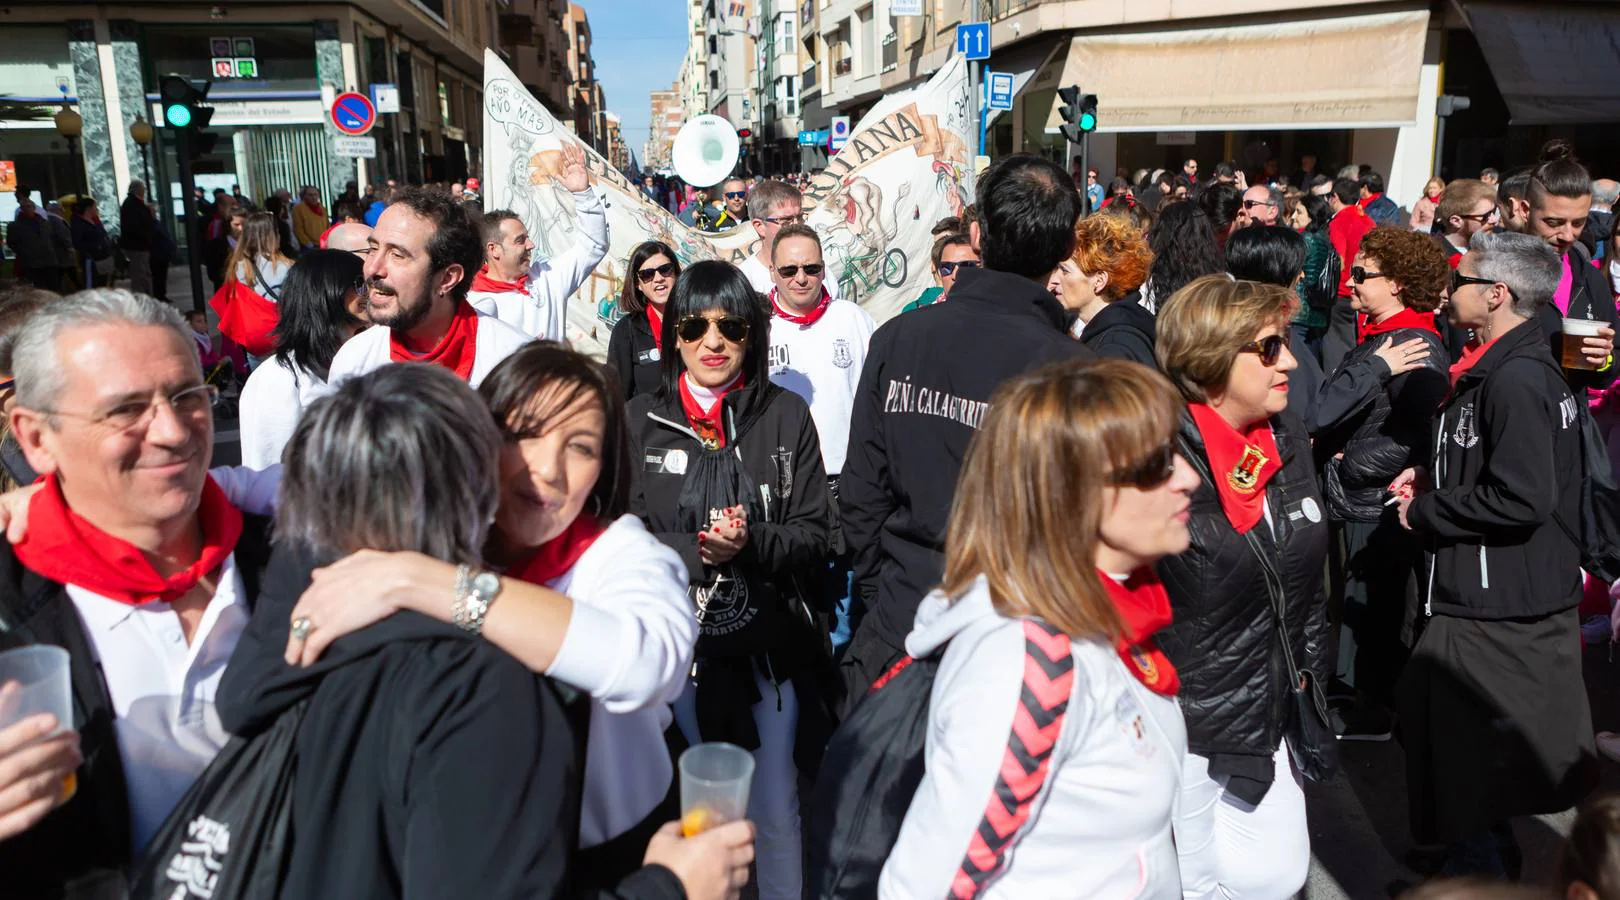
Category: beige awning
[1553,63]
[1339,72]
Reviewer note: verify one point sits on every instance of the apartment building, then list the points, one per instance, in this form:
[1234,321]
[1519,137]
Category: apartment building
[589,104]
[668,115]
[775,145]
[535,42]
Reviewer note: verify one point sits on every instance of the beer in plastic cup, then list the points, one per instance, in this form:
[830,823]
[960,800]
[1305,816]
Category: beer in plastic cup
[715,778]
[1575,332]
[34,680]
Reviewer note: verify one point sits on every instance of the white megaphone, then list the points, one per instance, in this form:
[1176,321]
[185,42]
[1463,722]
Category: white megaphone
[705,151]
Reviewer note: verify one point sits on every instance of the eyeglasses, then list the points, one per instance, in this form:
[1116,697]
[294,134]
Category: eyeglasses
[796,219]
[1154,470]
[736,195]
[1269,348]
[1489,214]
[190,404]
[946,269]
[1251,204]
[693,328]
[645,275]
[814,270]
[1362,276]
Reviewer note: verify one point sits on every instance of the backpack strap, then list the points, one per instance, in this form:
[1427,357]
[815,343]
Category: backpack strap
[1037,728]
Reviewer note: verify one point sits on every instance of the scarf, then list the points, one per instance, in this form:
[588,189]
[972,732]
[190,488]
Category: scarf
[805,319]
[1470,355]
[318,209]
[708,425]
[1242,463]
[1367,200]
[1406,318]
[455,351]
[655,319]
[65,548]
[1144,608]
[558,555]
[485,284]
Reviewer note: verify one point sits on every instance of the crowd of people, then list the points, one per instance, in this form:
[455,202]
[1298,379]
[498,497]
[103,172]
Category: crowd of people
[1061,582]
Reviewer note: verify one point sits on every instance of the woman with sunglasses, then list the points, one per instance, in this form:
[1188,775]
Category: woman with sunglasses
[1100,280]
[635,348]
[1048,616]
[728,472]
[1372,422]
[321,307]
[1258,543]
[952,253]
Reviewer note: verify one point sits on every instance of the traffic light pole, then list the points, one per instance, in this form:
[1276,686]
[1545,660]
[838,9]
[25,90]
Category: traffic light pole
[1085,170]
[182,152]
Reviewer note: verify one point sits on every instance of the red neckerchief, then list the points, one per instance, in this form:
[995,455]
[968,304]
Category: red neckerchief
[1472,351]
[556,556]
[327,234]
[656,320]
[1365,201]
[63,547]
[708,425]
[484,284]
[1242,463]
[1144,608]
[1406,318]
[455,351]
[806,319]
[318,208]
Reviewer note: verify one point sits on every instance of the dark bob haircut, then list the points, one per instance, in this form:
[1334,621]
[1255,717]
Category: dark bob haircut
[315,318]
[716,285]
[1269,254]
[630,299]
[1027,210]
[515,388]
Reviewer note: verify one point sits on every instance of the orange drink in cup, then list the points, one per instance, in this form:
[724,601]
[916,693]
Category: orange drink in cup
[715,779]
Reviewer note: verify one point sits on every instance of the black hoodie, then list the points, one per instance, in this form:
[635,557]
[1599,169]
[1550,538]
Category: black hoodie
[924,391]
[1122,330]
[430,763]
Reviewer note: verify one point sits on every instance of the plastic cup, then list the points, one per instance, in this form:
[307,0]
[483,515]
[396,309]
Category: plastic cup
[1575,331]
[34,680]
[715,779]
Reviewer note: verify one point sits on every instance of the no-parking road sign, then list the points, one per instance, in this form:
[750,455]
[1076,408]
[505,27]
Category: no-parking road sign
[353,113]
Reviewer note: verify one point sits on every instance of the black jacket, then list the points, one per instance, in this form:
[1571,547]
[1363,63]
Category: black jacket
[927,384]
[430,763]
[1507,457]
[1590,297]
[1305,382]
[634,355]
[135,225]
[1122,330]
[1380,424]
[1224,640]
[83,847]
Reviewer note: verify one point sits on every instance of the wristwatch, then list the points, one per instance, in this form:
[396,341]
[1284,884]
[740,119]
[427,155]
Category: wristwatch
[475,592]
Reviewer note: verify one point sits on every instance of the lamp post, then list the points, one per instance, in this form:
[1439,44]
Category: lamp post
[140,131]
[70,125]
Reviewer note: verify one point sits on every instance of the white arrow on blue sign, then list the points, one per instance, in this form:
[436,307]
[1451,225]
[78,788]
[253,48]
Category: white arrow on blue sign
[973,40]
[1001,89]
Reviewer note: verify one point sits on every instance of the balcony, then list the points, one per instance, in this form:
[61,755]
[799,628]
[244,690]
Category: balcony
[811,82]
[891,52]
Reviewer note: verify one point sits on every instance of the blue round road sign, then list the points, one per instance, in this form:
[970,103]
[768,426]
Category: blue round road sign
[353,113]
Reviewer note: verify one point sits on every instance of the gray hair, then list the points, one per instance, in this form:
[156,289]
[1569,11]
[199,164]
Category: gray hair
[34,360]
[401,458]
[768,195]
[1523,262]
[1605,192]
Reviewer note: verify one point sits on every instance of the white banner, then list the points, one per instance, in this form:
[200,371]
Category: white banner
[906,166]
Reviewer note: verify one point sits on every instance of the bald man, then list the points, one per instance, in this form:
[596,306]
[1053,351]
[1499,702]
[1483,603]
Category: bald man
[349,236]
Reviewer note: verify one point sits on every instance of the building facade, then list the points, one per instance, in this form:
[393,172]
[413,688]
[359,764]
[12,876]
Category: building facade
[668,115]
[730,31]
[586,97]
[534,40]
[776,141]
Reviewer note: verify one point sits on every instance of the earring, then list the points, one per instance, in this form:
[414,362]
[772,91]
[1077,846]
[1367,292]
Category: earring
[596,506]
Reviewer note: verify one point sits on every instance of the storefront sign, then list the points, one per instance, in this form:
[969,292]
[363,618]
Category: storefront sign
[260,112]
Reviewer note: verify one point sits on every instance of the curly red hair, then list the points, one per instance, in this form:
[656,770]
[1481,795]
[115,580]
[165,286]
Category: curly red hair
[1412,260]
[1111,244]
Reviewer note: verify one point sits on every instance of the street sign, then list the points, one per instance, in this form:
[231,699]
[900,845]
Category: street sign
[838,133]
[353,113]
[973,40]
[813,138]
[363,147]
[1001,89]
[905,7]
[385,97]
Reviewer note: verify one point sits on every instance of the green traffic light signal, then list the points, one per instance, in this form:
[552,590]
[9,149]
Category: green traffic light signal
[178,115]
[1088,122]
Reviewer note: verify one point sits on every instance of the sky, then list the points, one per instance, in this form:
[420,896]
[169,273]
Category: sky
[638,46]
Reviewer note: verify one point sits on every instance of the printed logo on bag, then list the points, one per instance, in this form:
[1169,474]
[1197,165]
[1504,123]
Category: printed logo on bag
[195,867]
[1245,476]
[1464,434]
[843,358]
[722,604]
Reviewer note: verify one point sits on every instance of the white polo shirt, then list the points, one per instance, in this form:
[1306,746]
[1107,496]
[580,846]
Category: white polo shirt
[368,350]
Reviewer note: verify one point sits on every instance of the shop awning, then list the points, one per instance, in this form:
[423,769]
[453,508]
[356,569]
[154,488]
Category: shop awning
[1334,72]
[1553,63]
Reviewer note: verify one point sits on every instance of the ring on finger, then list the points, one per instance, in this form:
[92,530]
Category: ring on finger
[302,628]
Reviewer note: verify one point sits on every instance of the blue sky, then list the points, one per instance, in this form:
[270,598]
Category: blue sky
[638,46]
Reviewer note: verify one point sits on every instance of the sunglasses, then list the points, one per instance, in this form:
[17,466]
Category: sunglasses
[1460,281]
[736,195]
[812,269]
[1362,276]
[946,269]
[645,275]
[692,328]
[1269,348]
[1156,469]
[1251,204]
[1486,216]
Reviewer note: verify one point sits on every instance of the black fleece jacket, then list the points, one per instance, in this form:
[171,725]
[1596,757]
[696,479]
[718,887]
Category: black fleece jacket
[634,355]
[1122,330]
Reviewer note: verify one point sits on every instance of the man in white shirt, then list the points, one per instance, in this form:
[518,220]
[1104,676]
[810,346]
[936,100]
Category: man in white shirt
[533,296]
[771,205]
[137,564]
[423,254]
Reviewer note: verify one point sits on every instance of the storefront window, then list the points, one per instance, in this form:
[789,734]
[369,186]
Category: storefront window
[284,55]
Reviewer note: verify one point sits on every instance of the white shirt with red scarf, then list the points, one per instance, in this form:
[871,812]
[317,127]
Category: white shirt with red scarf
[537,304]
[369,350]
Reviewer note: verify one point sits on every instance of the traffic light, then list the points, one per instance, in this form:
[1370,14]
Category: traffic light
[1079,113]
[183,111]
[745,133]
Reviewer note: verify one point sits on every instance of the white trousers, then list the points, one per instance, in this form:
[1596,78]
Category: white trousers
[773,801]
[1229,849]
